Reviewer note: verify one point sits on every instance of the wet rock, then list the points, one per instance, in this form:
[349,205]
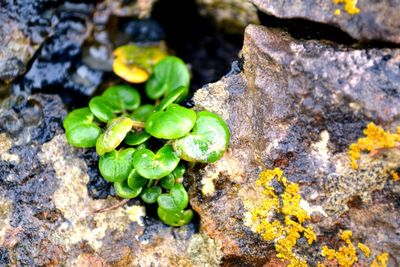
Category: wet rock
[377,20]
[231,15]
[49,218]
[298,105]
[23,31]
[58,67]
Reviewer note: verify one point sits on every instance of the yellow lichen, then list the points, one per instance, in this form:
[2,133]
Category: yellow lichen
[337,12]
[350,6]
[395,175]
[376,138]
[280,218]
[285,234]
[380,260]
[346,255]
[364,249]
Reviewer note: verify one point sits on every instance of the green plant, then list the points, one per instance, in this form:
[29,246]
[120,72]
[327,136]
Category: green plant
[141,147]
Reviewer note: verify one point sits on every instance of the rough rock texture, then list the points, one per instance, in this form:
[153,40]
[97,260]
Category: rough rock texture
[21,34]
[298,105]
[47,217]
[63,46]
[231,15]
[377,20]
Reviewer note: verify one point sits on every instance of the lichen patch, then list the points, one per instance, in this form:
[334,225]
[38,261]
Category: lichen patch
[5,145]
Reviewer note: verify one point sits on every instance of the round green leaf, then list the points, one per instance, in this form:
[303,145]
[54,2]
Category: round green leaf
[150,194]
[114,100]
[169,74]
[83,135]
[135,180]
[142,113]
[179,170]
[113,135]
[168,181]
[80,129]
[78,117]
[136,138]
[101,108]
[123,97]
[175,218]
[207,141]
[155,166]
[123,190]
[177,199]
[173,123]
[170,98]
[116,165]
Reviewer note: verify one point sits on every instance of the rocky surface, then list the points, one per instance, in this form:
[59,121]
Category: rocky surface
[22,33]
[298,105]
[377,20]
[230,15]
[49,219]
[75,46]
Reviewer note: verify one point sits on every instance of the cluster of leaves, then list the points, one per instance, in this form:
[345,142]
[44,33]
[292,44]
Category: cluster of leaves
[141,146]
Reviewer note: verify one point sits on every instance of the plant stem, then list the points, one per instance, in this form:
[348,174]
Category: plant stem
[113,207]
[139,124]
[150,183]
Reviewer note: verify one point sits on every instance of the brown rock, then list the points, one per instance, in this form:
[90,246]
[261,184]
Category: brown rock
[377,20]
[298,105]
[231,15]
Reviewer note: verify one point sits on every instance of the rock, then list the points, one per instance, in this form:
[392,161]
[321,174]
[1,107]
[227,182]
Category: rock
[23,31]
[47,216]
[298,105]
[377,20]
[58,67]
[230,15]
[139,9]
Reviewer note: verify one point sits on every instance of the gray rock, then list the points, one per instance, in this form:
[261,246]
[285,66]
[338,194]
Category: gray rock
[231,15]
[298,105]
[377,20]
[47,216]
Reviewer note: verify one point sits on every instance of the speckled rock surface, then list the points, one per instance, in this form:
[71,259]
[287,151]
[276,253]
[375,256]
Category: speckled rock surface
[231,15]
[377,20]
[298,105]
[47,217]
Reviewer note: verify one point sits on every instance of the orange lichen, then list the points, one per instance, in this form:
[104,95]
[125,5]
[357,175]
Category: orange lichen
[285,234]
[381,260]
[376,138]
[350,6]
